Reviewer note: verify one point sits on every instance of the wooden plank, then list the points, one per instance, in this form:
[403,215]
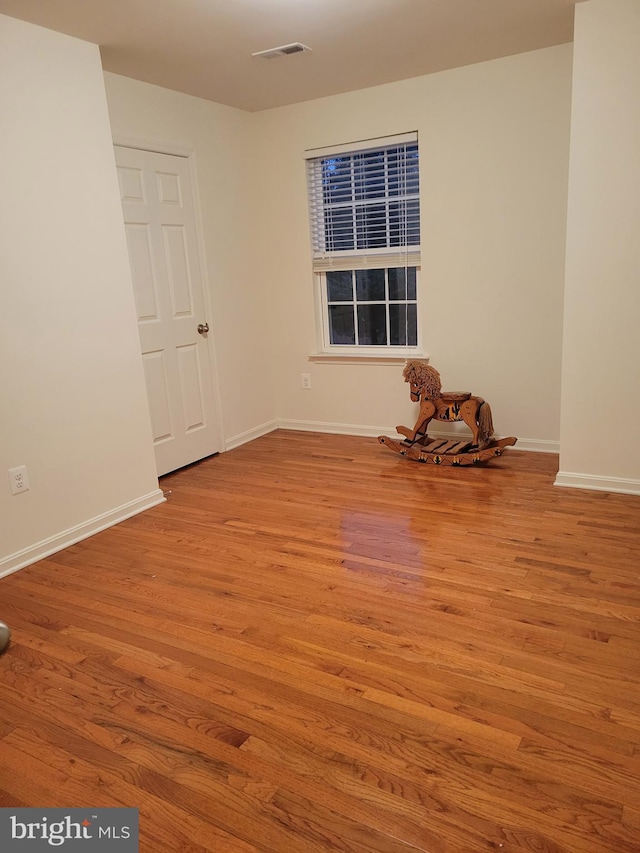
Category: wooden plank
[459,446]
[448,445]
[434,445]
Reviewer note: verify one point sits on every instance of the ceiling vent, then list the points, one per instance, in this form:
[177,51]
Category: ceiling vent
[283,50]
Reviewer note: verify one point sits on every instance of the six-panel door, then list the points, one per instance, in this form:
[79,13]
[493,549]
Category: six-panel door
[158,207]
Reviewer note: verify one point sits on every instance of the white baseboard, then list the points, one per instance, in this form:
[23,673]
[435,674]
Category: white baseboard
[621,485]
[250,435]
[531,444]
[49,546]
[336,428]
[537,445]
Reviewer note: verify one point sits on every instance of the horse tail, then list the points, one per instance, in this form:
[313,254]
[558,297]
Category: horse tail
[485,422]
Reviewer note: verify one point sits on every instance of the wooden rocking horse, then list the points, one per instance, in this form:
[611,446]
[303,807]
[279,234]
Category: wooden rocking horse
[5,636]
[426,389]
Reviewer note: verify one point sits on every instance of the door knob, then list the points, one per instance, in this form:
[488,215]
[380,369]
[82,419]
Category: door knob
[203,328]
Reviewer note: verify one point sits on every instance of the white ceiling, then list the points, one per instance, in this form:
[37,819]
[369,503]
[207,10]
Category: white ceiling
[204,47]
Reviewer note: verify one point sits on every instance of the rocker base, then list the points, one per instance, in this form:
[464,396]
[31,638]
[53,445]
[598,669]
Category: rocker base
[442,451]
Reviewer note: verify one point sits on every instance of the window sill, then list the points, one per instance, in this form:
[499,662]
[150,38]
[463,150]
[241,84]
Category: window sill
[365,358]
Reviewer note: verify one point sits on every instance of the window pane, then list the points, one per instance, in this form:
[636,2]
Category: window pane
[369,200]
[402,169]
[412,171]
[396,172]
[336,179]
[338,229]
[341,324]
[340,286]
[370,285]
[404,223]
[413,222]
[403,325]
[398,283]
[397,224]
[372,325]
[371,226]
[411,283]
[368,175]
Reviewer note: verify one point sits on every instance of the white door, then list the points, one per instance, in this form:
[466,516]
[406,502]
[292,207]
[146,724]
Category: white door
[158,207]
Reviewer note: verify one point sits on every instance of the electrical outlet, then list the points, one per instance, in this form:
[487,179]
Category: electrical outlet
[306,381]
[19,480]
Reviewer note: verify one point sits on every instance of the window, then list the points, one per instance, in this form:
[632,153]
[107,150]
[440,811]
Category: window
[365,225]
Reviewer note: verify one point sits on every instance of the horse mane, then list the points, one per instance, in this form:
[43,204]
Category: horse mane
[425,377]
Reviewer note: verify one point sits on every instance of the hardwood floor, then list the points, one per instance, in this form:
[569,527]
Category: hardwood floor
[317,645]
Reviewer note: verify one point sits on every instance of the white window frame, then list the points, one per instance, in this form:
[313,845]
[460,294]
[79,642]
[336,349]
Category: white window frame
[401,351]
[380,258]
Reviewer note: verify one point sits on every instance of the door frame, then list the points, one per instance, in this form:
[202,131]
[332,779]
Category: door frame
[189,154]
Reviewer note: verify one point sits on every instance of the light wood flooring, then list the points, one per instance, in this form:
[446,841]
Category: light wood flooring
[318,645]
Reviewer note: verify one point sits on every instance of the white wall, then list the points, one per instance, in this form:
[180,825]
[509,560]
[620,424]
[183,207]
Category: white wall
[601,358]
[72,397]
[221,138]
[494,142]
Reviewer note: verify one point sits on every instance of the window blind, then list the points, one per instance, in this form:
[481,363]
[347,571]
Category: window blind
[364,206]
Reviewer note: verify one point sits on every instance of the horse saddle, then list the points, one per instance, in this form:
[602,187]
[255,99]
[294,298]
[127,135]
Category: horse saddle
[455,396]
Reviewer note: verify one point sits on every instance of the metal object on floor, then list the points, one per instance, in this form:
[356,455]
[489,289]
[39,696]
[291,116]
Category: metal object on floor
[5,636]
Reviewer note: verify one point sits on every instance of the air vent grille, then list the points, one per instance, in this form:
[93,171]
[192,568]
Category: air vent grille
[283,50]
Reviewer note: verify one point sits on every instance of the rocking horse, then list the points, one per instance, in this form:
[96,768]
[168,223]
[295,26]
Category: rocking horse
[5,636]
[426,389]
